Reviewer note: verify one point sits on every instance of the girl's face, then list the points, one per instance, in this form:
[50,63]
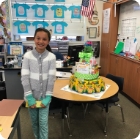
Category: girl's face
[41,41]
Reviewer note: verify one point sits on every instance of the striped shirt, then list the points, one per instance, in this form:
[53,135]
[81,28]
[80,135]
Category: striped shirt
[87,8]
[38,73]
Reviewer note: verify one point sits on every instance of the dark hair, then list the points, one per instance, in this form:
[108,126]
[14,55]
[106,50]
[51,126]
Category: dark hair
[49,36]
[48,48]
[43,29]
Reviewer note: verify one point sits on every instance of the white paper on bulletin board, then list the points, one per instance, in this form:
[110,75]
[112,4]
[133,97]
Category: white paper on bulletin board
[130,10]
[133,47]
[128,27]
[127,45]
[106,20]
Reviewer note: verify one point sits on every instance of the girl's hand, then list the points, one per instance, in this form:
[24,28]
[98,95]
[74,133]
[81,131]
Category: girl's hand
[33,106]
[42,105]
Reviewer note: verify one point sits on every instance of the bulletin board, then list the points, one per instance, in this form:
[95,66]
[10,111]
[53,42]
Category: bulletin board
[129,21]
[73,26]
[128,27]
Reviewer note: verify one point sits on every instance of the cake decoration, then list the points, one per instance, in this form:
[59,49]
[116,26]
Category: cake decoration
[86,78]
[87,52]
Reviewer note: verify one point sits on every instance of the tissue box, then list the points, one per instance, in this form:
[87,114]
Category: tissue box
[59,64]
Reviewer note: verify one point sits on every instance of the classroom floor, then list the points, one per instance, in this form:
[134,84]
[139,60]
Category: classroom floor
[90,127]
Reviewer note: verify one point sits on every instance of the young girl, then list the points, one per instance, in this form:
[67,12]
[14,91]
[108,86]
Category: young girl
[38,76]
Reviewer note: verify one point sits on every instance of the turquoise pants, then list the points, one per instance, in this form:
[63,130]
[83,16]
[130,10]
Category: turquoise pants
[39,118]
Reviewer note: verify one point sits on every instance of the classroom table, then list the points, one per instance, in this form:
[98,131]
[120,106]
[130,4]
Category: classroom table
[68,96]
[10,123]
[6,124]
[12,78]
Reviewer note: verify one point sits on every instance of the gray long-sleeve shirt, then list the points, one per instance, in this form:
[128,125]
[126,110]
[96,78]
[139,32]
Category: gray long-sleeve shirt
[38,73]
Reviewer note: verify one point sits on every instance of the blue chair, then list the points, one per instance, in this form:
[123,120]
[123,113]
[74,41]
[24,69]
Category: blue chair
[58,55]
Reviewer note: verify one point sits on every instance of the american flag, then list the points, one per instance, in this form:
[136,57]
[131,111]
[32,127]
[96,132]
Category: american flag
[87,8]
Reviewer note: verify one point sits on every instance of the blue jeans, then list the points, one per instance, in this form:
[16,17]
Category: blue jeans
[39,118]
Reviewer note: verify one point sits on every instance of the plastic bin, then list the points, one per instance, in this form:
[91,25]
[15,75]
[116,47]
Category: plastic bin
[2,90]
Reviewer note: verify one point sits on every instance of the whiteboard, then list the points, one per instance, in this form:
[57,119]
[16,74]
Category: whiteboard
[128,27]
[129,21]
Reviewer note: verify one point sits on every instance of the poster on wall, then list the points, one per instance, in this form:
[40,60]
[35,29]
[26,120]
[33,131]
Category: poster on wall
[106,20]
[21,9]
[42,14]
[15,48]
[75,11]
[59,11]
[59,27]
[40,24]
[40,10]
[22,26]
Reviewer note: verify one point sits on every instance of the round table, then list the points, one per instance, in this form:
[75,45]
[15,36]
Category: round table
[61,94]
[68,96]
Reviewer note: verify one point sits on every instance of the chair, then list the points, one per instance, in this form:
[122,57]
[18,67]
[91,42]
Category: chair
[112,101]
[58,55]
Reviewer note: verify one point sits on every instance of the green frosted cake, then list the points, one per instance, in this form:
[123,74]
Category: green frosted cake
[86,77]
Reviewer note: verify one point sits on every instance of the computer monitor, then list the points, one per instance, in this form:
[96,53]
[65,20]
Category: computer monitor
[96,48]
[73,52]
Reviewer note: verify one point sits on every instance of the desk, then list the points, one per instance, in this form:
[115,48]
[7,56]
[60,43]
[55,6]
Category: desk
[65,69]
[68,96]
[12,77]
[10,123]
[6,123]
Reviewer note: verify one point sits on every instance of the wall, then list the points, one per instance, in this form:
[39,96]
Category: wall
[127,11]
[99,7]
[79,28]
[75,25]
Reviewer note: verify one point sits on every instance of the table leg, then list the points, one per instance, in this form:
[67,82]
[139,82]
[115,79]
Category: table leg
[16,125]
[68,114]
[64,115]
[18,128]
[106,117]
[62,129]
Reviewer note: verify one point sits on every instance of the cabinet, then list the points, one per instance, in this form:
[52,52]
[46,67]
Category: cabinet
[60,46]
[104,58]
[132,83]
[14,89]
[63,47]
[130,71]
[54,46]
[117,65]
[108,40]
